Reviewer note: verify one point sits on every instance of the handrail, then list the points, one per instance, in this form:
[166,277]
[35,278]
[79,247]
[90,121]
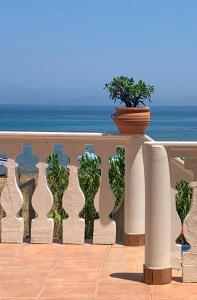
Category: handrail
[173,144]
[23,136]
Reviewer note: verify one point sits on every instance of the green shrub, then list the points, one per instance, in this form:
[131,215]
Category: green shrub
[58,181]
[183,205]
[183,199]
[89,179]
[116,174]
[129,92]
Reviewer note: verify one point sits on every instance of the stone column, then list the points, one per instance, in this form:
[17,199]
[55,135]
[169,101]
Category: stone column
[134,203]
[157,268]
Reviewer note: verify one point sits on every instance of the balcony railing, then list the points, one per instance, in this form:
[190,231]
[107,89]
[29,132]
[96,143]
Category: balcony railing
[163,168]
[149,200]
[12,226]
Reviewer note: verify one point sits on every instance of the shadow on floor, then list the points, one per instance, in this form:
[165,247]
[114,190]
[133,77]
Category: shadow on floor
[129,276]
[177,279]
[138,277]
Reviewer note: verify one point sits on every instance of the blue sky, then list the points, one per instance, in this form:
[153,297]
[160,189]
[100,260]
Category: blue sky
[64,46]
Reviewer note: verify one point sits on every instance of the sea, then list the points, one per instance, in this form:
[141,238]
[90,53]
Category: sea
[177,123]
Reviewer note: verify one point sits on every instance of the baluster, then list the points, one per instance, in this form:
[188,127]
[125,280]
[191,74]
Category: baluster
[175,175]
[134,202]
[12,226]
[73,199]
[104,227]
[190,229]
[42,200]
[157,268]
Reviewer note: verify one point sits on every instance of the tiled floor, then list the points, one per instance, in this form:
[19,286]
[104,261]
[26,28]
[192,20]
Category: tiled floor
[58,272]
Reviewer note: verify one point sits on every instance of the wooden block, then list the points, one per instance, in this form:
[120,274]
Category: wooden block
[157,276]
[133,239]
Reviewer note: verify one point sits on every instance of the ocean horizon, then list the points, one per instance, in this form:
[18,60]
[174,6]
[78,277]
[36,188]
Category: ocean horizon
[168,122]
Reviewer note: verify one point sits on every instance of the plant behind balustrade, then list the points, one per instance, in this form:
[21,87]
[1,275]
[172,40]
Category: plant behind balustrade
[89,180]
[183,205]
[58,182]
[183,199]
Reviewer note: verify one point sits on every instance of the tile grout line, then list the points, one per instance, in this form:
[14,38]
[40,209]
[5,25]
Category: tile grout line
[151,292]
[50,272]
[139,269]
[102,268]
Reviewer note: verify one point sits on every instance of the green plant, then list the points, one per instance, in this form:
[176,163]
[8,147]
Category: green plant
[183,199]
[116,174]
[128,92]
[58,181]
[183,205]
[89,178]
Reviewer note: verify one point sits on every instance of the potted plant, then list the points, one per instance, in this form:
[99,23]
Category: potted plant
[135,117]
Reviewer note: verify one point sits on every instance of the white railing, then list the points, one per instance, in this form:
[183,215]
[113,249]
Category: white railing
[162,170]
[152,195]
[12,226]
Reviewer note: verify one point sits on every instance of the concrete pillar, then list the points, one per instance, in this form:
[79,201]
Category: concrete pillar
[134,204]
[157,268]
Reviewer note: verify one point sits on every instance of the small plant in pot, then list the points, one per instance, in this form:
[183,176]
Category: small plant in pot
[135,117]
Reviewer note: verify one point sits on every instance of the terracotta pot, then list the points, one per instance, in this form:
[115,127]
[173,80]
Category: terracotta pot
[132,120]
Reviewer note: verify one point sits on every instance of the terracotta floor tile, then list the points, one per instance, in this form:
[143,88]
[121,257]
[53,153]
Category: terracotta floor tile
[86,251]
[60,272]
[78,277]
[131,251]
[5,261]
[120,291]
[12,275]
[171,291]
[75,264]
[122,263]
[127,298]
[122,278]
[11,246]
[41,251]
[18,298]
[8,253]
[71,271]
[62,298]
[121,266]
[56,288]
[33,263]
[169,298]
[179,298]
[20,289]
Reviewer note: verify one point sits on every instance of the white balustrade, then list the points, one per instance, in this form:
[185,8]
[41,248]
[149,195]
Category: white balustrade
[42,226]
[157,190]
[157,268]
[134,202]
[162,233]
[42,200]
[104,227]
[73,199]
[190,228]
[177,172]
[12,226]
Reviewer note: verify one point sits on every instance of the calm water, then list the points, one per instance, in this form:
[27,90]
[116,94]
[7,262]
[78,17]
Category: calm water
[168,123]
